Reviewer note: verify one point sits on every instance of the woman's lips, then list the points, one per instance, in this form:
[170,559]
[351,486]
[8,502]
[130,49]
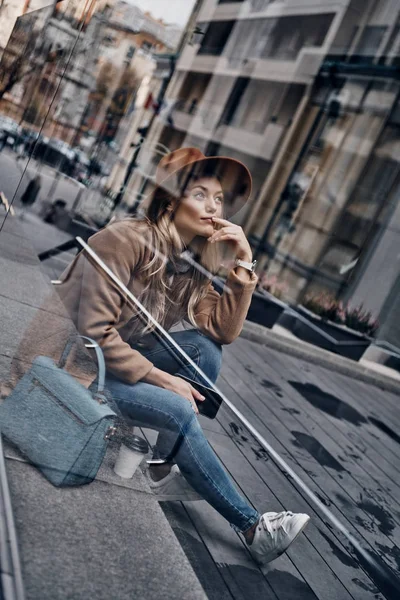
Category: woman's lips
[208,221]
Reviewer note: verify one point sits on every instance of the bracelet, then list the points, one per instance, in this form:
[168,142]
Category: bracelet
[250,266]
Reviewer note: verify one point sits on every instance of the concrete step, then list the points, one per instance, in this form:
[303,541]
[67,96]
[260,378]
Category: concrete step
[109,539]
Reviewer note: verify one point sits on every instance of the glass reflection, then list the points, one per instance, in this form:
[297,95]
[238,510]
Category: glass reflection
[93,95]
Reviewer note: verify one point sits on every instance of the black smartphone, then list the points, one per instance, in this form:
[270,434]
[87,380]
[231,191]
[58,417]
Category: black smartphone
[210,406]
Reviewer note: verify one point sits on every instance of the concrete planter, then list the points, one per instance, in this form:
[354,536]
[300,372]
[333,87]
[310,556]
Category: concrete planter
[265,309]
[328,335]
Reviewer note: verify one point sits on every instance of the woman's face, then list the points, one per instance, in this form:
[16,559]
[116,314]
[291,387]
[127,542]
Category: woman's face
[202,200]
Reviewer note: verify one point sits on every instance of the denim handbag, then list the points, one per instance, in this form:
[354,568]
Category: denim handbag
[62,427]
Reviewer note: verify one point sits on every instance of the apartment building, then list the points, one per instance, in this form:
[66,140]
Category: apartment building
[124,39]
[155,34]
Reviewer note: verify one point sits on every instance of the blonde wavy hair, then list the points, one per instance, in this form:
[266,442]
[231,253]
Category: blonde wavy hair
[164,243]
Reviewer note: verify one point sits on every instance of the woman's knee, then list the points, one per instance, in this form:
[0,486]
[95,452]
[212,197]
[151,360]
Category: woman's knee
[205,352]
[181,412]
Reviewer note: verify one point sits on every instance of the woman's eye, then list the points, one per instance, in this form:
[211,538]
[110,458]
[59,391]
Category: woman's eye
[219,199]
[199,195]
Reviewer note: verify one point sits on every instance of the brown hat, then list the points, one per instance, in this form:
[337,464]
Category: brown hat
[177,168]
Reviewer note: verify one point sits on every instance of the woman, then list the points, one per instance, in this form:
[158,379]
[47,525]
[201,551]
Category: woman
[187,215]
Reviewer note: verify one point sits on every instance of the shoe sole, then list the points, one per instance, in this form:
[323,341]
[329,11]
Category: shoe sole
[282,551]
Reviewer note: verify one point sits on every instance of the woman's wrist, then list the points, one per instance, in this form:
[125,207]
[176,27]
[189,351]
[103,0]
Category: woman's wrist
[157,377]
[243,274]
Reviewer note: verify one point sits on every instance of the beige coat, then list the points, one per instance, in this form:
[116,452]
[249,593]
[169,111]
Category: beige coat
[99,310]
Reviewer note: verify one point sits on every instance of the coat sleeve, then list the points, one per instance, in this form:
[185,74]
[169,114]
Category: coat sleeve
[101,301]
[221,316]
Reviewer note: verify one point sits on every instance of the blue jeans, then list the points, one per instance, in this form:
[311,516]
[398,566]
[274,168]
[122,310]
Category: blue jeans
[172,415]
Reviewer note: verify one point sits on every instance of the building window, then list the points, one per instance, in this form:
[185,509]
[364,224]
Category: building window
[258,105]
[278,38]
[290,34]
[192,91]
[109,40]
[234,100]
[258,5]
[368,44]
[393,46]
[248,40]
[213,148]
[216,37]
[131,52]
[253,104]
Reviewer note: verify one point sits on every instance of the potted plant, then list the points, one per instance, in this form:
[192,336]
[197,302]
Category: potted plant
[330,324]
[266,305]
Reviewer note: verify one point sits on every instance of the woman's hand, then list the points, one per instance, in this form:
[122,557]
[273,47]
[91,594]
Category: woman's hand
[234,234]
[174,384]
[184,389]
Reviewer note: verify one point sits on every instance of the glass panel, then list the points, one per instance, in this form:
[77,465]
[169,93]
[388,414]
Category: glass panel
[150,152]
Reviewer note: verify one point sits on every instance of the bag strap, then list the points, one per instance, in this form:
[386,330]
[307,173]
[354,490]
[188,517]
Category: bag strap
[99,355]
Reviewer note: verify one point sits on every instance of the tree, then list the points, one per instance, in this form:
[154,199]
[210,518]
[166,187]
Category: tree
[111,98]
[121,100]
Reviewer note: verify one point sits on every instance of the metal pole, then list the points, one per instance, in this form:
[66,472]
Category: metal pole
[132,165]
[11,581]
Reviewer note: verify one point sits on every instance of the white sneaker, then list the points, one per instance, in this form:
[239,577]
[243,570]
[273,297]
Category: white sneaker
[274,534]
[172,487]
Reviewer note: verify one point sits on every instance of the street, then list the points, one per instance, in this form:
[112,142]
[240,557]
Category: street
[15,175]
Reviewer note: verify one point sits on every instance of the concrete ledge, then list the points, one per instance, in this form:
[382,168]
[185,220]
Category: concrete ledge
[295,347]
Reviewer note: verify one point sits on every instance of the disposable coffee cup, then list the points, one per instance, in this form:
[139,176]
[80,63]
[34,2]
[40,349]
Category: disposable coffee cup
[131,454]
